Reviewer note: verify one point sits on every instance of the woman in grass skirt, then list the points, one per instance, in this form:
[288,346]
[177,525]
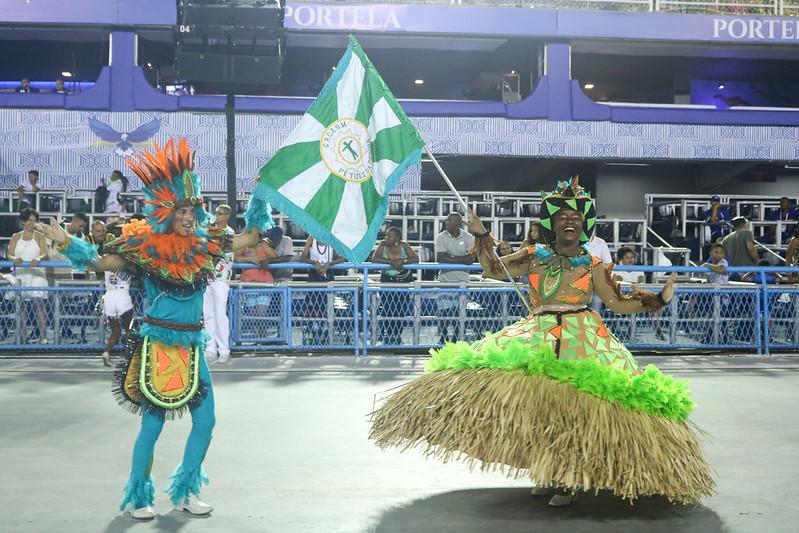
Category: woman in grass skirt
[556,396]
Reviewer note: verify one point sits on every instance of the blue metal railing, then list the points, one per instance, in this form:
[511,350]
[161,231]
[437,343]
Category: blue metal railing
[359,314]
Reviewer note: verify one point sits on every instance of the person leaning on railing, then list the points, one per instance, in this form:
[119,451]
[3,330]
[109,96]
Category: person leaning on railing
[283,249]
[322,257]
[626,257]
[27,245]
[453,245]
[395,252]
[395,304]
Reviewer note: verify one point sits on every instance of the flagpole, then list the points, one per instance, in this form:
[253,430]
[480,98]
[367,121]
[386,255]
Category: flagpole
[466,210]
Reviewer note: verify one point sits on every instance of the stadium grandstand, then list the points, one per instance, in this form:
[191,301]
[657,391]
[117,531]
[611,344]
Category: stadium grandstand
[680,118]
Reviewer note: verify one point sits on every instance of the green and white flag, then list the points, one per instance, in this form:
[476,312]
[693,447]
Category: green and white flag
[333,173]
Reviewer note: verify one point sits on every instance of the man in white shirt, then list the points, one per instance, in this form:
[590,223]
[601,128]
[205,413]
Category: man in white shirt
[453,246]
[215,300]
[599,248]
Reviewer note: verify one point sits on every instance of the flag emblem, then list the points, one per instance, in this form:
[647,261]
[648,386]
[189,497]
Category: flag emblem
[346,150]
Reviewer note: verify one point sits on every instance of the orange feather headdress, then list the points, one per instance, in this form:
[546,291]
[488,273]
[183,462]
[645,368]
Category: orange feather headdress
[168,183]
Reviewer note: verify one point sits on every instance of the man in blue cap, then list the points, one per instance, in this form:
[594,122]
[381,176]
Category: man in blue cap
[717,218]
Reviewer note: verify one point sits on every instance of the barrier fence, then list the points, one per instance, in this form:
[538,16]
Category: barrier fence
[357,313]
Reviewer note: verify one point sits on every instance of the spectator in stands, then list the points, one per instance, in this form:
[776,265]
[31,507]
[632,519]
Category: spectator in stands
[27,245]
[215,300]
[283,247]
[717,264]
[771,278]
[77,225]
[26,191]
[256,255]
[535,235]
[740,245]
[717,217]
[453,246]
[792,254]
[784,214]
[322,257]
[395,252]
[599,248]
[504,248]
[25,87]
[396,306]
[626,257]
[116,186]
[114,225]
[59,86]
[99,236]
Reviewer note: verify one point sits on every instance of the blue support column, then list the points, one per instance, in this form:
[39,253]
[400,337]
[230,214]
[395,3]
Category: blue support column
[122,62]
[557,68]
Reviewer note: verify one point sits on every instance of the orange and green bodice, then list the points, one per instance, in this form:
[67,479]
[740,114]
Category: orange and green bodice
[560,289]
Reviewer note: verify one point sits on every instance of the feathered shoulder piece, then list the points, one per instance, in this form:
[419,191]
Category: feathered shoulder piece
[168,181]
[168,256]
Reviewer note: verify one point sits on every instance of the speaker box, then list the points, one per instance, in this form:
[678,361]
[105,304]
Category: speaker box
[256,69]
[202,66]
[261,16]
[240,69]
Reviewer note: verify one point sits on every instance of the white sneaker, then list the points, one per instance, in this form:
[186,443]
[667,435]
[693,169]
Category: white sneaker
[211,357]
[106,359]
[223,359]
[542,491]
[195,506]
[143,513]
[562,499]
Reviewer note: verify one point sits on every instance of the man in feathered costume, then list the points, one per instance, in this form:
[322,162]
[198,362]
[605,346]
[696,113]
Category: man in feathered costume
[164,371]
[556,395]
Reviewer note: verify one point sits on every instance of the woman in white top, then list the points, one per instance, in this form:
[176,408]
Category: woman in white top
[26,245]
[322,257]
[116,186]
[626,257]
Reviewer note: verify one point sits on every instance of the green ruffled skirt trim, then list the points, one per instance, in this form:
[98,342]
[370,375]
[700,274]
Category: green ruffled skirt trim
[649,391]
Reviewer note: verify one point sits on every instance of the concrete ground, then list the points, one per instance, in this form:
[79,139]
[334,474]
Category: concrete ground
[290,454]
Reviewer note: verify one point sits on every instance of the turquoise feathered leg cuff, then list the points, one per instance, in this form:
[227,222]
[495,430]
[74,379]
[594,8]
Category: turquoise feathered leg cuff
[185,483]
[138,493]
[81,253]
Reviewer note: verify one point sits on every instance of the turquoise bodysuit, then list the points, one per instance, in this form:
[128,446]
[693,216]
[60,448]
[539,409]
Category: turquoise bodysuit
[173,307]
